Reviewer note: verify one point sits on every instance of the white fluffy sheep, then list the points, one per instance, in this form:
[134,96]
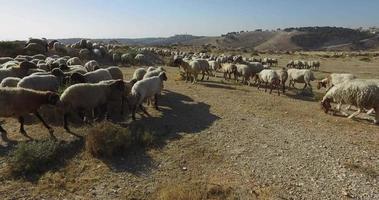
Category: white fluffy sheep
[91,77]
[334,79]
[364,94]
[300,76]
[40,83]
[10,82]
[115,72]
[144,89]
[74,61]
[138,74]
[18,102]
[153,72]
[269,76]
[91,65]
[228,69]
[96,94]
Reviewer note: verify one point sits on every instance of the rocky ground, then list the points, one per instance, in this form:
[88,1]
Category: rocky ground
[223,141]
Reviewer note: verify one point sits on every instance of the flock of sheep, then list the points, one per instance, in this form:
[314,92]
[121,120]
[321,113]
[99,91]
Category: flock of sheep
[342,88]
[93,91]
[88,90]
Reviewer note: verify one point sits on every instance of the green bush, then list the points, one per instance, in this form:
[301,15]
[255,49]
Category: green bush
[108,140]
[33,157]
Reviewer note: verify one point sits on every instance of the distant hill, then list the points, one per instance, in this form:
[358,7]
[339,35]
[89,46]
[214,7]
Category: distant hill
[289,39]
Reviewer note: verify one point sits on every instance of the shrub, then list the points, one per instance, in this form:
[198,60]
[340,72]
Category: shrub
[33,157]
[365,59]
[108,140]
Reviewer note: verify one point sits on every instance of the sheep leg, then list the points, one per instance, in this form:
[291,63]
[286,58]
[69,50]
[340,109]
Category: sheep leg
[65,122]
[376,121]
[271,87]
[355,114]
[134,108]
[51,130]
[22,130]
[144,110]
[3,134]
[266,84]
[156,101]
[202,78]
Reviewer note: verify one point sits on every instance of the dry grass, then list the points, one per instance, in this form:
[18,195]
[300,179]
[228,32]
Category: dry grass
[194,191]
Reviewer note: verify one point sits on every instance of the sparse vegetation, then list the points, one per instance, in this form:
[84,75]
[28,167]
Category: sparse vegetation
[33,157]
[108,140]
[194,191]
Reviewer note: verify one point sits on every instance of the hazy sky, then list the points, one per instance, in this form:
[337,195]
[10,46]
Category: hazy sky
[20,19]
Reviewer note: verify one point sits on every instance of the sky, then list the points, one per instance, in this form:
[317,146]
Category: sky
[21,19]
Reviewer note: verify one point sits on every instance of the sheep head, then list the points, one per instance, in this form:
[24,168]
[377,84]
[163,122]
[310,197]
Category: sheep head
[321,84]
[325,105]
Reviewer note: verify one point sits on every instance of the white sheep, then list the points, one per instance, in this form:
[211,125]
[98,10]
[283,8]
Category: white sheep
[10,82]
[115,72]
[18,102]
[145,89]
[300,76]
[269,76]
[153,72]
[364,94]
[334,79]
[229,69]
[96,95]
[91,65]
[138,74]
[40,83]
[74,61]
[91,77]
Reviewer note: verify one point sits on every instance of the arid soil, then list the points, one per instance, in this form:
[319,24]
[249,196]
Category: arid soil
[223,140]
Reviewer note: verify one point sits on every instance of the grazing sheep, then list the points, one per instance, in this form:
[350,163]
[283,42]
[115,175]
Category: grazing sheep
[269,76]
[40,83]
[10,82]
[364,94]
[97,95]
[91,77]
[300,76]
[334,79]
[92,65]
[18,102]
[154,72]
[115,72]
[144,89]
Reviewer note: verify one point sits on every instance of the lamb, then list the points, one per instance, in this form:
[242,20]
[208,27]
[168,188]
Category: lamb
[17,102]
[334,79]
[139,74]
[10,82]
[154,72]
[364,94]
[115,72]
[300,76]
[144,89]
[40,83]
[91,77]
[269,76]
[97,95]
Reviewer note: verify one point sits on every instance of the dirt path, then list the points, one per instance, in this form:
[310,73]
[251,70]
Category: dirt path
[228,141]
